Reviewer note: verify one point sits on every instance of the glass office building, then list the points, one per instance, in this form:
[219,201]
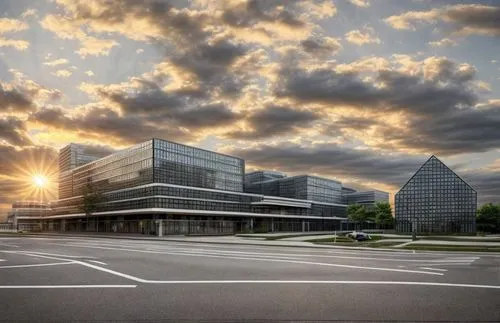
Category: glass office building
[70,157]
[303,187]
[159,179]
[436,200]
[27,212]
[366,198]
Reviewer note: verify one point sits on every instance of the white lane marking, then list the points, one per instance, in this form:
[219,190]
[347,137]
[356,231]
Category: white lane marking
[58,255]
[355,282]
[116,273]
[270,260]
[63,286]
[98,262]
[9,245]
[448,264]
[37,265]
[2,260]
[437,269]
[238,281]
[168,244]
[260,254]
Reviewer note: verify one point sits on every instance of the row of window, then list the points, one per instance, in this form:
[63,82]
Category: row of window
[195,152]
[195,161]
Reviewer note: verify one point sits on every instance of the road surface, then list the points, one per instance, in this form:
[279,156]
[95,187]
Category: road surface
[64,279]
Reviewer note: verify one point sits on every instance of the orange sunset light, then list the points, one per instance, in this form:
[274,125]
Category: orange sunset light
[37,178]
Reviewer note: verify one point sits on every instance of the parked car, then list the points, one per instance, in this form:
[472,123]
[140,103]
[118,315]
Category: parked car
[359,236]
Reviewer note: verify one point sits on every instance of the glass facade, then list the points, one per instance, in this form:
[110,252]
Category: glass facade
[170,179]
[366,198]
[436,200]
[71,157]
[184,165]
[302,187]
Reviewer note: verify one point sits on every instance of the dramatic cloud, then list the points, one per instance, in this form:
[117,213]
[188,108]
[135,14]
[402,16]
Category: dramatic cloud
[362,37]
[94,123]
[332,160]
[321,46]
[466,19]
[13,131]
[275,120]
[438,101]
[13,99]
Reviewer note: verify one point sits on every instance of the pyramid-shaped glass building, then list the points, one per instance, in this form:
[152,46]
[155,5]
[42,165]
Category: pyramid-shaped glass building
[436,200]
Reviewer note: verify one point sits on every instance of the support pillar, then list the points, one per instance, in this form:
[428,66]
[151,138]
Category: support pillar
[251,224]
[303,226]
[160,227]
[63,225]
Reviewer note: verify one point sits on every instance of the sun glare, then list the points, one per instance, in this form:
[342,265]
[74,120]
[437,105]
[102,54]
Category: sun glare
[36,176]
[40,181]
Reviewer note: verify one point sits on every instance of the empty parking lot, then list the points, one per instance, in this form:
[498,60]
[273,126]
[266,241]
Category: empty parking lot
[47,278]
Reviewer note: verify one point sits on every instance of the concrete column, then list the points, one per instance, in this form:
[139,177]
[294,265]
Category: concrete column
[303,226]
[63,225]
[272,225]
[251,224]
[160,228]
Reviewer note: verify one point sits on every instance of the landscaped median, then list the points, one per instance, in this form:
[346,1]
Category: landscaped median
[376,241]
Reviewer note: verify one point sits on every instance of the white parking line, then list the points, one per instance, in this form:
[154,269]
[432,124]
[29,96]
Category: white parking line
[340,282]
[9,245]
[437,269]
[448,264]
[98,262]
[63,286]
[270,260]
[285,255]
[57,255]
[37,265]
[116,273]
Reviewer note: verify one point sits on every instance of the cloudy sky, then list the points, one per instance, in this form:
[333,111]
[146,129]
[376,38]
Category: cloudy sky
[363,91]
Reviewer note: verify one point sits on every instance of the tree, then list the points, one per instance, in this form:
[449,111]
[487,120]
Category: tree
[91,198]
[357,213]
[383,214]
[488,218]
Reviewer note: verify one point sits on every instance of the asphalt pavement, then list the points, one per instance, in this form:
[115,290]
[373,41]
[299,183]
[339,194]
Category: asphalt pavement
[65,279]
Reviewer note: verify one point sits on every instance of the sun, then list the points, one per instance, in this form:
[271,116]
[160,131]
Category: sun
[40,181]
[36,176]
